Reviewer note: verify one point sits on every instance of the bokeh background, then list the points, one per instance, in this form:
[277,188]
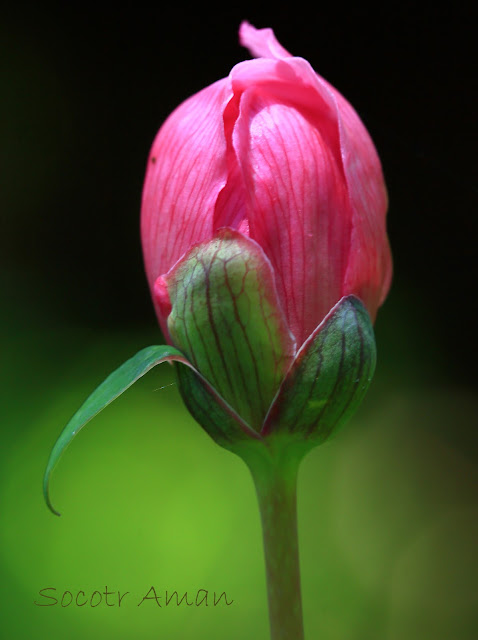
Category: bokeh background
[388,510]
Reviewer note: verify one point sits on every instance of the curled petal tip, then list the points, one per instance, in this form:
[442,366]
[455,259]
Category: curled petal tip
[262,43]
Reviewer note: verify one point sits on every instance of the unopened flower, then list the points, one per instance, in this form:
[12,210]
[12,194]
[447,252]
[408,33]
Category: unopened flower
[270,168]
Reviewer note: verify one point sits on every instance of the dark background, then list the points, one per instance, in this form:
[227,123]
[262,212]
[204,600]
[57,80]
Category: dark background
[84,92]
[388,511]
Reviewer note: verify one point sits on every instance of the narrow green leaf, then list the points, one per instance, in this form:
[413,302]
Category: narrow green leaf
[329,377]
[227,320]
[111,388]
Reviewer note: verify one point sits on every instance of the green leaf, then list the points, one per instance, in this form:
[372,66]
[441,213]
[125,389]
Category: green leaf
[227,320]
[111,388]
[329,377]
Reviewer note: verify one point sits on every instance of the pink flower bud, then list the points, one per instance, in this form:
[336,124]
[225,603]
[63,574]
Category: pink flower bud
[275,152]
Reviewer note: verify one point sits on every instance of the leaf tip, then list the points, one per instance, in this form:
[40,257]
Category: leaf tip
[46,495]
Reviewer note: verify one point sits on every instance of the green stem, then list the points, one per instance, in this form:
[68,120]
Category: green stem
[275,479]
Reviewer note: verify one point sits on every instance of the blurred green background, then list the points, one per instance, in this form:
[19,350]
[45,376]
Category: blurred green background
[388,510]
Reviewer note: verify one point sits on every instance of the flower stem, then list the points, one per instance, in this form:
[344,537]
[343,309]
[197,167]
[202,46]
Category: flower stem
[275,479]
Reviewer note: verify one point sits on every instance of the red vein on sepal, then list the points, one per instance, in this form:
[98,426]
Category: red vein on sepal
[224,404]
[349,374]
[244,331]
[361,364]
[301,353]
[238,337]
[207,271]
[338,377]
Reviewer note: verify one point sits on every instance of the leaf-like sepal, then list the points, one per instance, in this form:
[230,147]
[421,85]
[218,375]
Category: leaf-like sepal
[329,376]
[216,417]
[109,389]
[226,318]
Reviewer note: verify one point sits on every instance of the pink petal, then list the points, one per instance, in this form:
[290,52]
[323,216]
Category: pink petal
[369,267]
[186,171]
[297,200]
[230,210]
[295,188]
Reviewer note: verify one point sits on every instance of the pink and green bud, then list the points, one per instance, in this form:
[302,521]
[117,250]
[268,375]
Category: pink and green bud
[265,247]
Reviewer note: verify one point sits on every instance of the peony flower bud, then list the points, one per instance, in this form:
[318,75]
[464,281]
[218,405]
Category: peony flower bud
[263,221]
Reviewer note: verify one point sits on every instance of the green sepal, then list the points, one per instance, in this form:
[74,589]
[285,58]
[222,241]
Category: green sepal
[226,318]
[111,388]
[215,416]
[329,376]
